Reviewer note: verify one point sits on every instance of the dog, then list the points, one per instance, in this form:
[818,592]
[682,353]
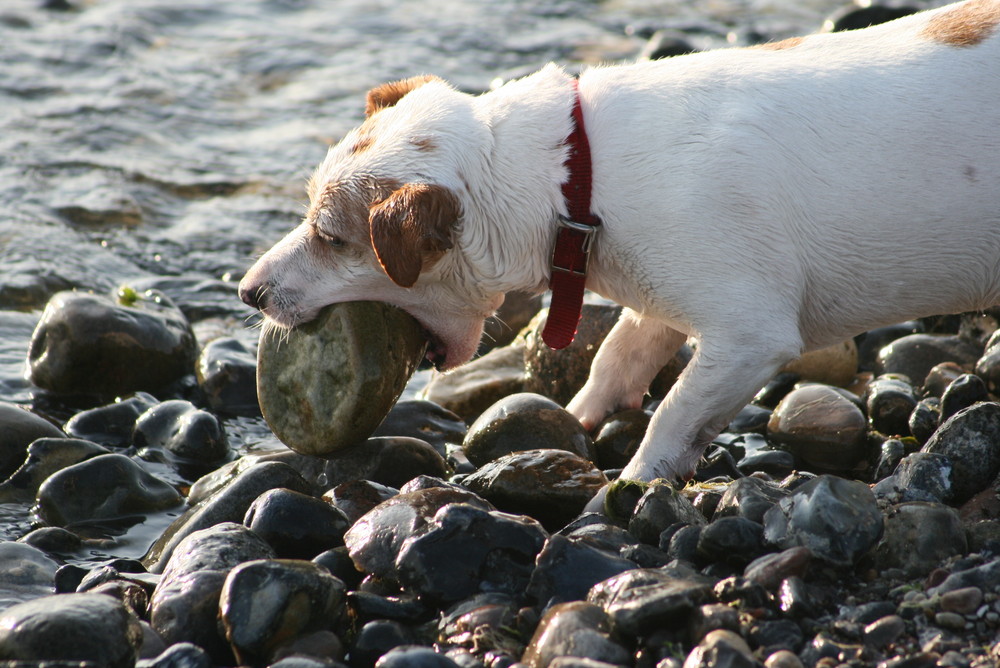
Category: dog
[766,200]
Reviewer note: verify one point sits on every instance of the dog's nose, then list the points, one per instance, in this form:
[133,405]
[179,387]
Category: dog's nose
[253,293]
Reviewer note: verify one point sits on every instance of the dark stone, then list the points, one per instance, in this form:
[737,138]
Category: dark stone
[227,375]
[464,550]
[915,355]
[266,602]
[552,486]
[919,536]
[424,420]
[88,344]
[821,427]
[771,394]
[749,498]
[575,629]
[525,422]
[377,638]
[771,569]
[618,437]
[666,44]
[940,377]
[963,392]
[837,519]
[296,525]
[852,17]
[46,456]
[683,543]
[389,460]
[971,440]
[567,568]
[18,428]
[642,600]
[925,418]
[660,507]
[184,431]
[375,540]
[179,655]
[922,476]
[772,636]
[415,657]
[366,605]
[988,368]
[338,561]
[71,627]
[354,498]
[731,540]
[870,342]
[890,401]
[103,488]
[111,424]
[229,504]
[750,419]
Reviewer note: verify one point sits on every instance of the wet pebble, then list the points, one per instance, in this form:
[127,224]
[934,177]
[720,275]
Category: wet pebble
[919,536]
[18,429]
[184,431]
[984,576]
[525,421]
[642,600]
[185,604]
[46,456]
[884,631]
[971,440]
[988,368]
[551,485]
[567,568]
[178,655]
[71,627]
[735,541]
[837,519]
[963,392]
[228,504]
[889,401]
[26,572]
[111,424]
[414,657]
[576,629]
[296,525]
[915,355]
[377,638]
[618,436]
[356,497]
[658,508]
[464,550]
[104,487]
[227,375]
[327,384]
[925,418]
[376,538]
[721,648]
[749,498]
[266,603]
[821,427]
[770,570]
[91,344]
[921,476]
[425,420]
[388,460]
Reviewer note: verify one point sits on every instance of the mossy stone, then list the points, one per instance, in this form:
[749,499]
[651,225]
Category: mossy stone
[327,384]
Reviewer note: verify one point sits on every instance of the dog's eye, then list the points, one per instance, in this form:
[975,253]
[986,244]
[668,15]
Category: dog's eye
[330,240]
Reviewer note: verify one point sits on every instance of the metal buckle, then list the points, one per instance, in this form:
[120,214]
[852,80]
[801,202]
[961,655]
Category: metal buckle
[588,242]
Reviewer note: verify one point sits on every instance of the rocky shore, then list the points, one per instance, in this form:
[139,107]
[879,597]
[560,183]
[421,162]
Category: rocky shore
[847,517]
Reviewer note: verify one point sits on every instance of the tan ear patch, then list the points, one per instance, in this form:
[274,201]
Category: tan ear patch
[411,228]
[388,94]
[967,24]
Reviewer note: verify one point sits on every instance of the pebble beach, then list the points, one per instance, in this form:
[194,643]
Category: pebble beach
[149,515]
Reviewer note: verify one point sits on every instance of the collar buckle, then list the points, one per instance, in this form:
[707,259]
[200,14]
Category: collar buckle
[569,231]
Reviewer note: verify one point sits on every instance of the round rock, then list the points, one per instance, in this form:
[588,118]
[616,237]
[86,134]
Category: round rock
[525,421]
[971,440]
[820,426]
[327,384]
[18,428]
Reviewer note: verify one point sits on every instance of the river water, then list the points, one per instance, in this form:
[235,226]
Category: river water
[172,138]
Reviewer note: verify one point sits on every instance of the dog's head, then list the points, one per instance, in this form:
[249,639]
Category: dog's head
[384,223]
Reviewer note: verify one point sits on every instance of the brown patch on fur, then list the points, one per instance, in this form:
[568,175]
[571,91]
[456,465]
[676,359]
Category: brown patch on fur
[789,43]
[412,228]
[341,210]
[967,24]
[363,143]
[390,93]
[424,144]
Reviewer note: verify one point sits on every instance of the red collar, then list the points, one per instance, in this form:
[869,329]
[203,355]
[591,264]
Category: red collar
[573,241]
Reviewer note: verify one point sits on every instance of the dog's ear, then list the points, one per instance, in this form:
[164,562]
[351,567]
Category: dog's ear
[411,228]
[390,93]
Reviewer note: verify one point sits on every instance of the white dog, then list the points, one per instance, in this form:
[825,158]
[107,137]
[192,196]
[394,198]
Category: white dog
[766,201]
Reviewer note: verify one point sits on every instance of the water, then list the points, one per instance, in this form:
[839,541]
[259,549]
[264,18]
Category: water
[173,138]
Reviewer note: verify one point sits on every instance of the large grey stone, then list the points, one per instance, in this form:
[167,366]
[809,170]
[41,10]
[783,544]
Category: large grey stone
[327,384]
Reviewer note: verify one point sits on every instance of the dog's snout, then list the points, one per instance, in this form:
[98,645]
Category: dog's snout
[253,294]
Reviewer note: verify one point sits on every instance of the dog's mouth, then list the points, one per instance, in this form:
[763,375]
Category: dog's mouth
[437,350]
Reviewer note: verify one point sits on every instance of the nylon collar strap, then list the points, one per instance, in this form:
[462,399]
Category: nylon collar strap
[573,240]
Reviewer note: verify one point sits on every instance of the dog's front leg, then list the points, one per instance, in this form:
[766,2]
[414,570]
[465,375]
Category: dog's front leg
[632,354]
[724,374]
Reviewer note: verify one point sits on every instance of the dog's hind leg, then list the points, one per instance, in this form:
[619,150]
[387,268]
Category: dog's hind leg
[728,368]
[632,354]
